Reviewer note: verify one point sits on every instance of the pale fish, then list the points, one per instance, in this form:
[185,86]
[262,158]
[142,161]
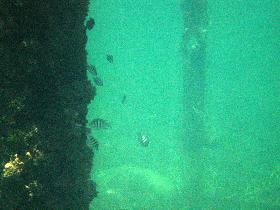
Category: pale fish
[99,124]
[98,81]
[92,69]
[92,143]
[143,139]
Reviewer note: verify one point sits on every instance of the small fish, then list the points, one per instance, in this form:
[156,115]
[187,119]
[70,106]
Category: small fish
[143,139]
[92,69]
[110,58]
[123,99]
[90,24]
[98,81]
[92,142]
[99,124]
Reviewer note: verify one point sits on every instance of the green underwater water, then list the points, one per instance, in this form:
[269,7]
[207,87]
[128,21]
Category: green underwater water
[238,165]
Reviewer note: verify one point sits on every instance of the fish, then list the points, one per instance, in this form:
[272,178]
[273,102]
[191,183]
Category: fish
[90,24]
[100,124]
[110,58]
[143,139]
[92,143]
[98,81]
[92,69]
[123,99]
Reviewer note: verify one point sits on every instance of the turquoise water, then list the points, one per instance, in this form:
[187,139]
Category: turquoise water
[237,165]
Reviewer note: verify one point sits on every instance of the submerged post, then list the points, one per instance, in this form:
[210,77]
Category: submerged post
[195,44]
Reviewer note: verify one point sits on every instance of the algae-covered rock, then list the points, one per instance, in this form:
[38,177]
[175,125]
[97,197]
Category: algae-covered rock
[44,161]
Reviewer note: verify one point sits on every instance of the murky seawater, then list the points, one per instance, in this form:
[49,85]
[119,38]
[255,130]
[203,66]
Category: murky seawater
[207,97]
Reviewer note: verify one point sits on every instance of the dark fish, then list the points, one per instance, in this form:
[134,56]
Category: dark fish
[99,124]
[92,142]
[123,99]
[90,24]
[92,69]
[143,139]
[110,58]
[98,81]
